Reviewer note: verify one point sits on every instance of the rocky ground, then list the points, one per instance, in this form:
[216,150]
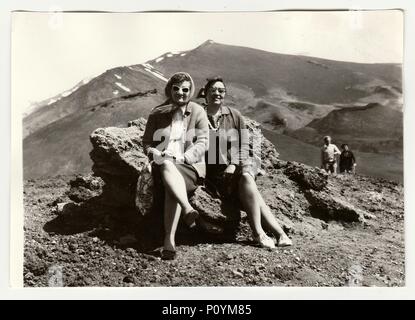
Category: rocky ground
[89,244]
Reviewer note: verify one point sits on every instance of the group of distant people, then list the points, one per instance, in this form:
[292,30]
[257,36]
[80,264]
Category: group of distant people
[331,155]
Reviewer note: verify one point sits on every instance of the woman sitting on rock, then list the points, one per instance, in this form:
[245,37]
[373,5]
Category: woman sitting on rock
[228,169]
[176,138]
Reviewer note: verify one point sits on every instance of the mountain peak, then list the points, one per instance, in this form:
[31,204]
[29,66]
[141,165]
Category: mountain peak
[206,43]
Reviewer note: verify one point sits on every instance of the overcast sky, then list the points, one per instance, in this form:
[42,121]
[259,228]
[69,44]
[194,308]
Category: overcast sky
[53,52]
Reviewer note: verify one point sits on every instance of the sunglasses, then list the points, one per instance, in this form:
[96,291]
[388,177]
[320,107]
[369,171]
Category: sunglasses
[177,88]
[220,90]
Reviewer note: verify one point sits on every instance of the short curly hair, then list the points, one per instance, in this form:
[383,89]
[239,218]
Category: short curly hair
[208,85]
[177,78]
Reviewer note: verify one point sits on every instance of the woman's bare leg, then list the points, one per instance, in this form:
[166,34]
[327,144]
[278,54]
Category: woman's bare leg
[171,219]
[174,183]
[265,212]
[250,203]
[272,224]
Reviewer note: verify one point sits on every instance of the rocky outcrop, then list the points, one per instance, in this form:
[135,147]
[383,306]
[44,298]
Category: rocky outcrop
[217,216]
[292,190]
[83,188]
[306,177]
[330,207]
[118,159]
[263,149]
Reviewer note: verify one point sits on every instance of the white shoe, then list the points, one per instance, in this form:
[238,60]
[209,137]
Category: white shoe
[264,241]
[284,241]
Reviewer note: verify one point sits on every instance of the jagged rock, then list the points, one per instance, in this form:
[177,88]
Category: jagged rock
[118,151]
[83,188]
[263,149]
[65,208]
[331,207]
[306,177]
[61,206]
[118,159]
[224,215]
[89,181]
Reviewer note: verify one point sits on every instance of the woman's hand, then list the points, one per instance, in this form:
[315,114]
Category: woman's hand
[154,152]
[227,178]
[230,169]
[157,155]
[170,155]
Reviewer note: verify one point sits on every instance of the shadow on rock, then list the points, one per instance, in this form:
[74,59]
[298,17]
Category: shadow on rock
[122,227]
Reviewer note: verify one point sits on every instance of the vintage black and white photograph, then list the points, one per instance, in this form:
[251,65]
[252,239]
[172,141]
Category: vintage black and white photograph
[226,149]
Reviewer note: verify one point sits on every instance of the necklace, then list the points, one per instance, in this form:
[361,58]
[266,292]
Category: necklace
[215,124]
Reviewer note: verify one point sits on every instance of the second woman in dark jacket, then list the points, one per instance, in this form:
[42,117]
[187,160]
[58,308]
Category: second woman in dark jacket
[229,170]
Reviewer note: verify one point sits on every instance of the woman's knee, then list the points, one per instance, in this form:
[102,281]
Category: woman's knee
[245,186]
[166,165]
[246,180]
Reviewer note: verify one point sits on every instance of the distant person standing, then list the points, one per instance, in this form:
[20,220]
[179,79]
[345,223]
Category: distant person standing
[329,154]
[347,161]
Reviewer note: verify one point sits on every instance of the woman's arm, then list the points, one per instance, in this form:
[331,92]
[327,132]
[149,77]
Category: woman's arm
[149,133]
[244,156]
[197,151]
[241,158]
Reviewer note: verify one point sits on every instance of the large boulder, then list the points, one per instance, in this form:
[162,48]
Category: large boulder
[216,216]
[267,157]
[118,159]
[306,177]
[84,188]
[329,207]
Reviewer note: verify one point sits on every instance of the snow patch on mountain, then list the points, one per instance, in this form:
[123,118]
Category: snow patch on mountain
[156,74]
[147,65]
[117,76]
[123,87]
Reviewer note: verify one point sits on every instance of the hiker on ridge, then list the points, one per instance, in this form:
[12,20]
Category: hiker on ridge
[329,153]
[347,161]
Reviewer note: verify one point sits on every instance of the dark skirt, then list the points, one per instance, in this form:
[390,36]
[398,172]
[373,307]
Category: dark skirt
[218,185]
[188,172]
